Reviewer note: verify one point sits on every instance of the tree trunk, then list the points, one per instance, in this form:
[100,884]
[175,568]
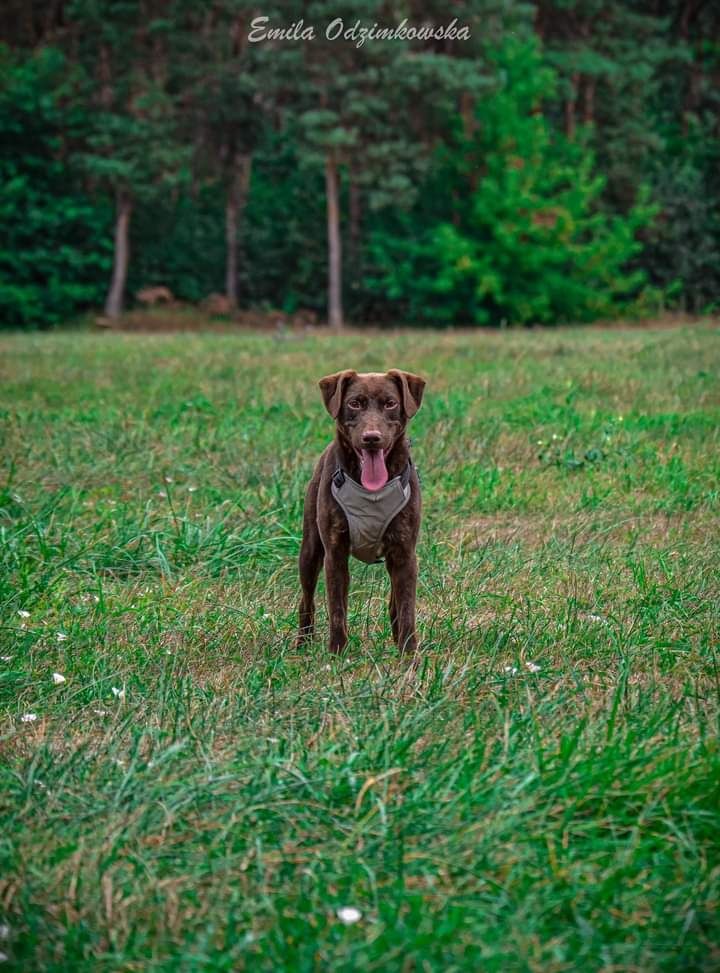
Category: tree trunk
[234,207]
[121,256]
[355,217]
[570,107]
[467,113]
[589,111]
[335,316]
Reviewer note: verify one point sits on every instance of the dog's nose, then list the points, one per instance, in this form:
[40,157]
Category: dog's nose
[371,437]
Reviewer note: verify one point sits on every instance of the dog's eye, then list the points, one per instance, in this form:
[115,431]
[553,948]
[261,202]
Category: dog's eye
[354,404]
[391,404]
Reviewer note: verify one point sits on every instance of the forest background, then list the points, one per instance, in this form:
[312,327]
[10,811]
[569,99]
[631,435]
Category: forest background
[562,164]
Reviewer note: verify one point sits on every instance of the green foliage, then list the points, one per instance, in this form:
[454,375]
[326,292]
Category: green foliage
[682,252]
[284,240]
[175,242]
[521,237]
[55,247]
[560,165]
[642,78]
[126,68]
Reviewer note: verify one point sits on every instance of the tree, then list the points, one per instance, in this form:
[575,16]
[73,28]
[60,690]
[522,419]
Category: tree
[520,237]
[53,251]
[683,248]
[225,77]
[609,56]
[124,48]
[351,107]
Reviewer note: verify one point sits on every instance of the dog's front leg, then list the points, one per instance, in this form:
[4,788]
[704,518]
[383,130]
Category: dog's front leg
[403,579]
[311,558]
[337,583]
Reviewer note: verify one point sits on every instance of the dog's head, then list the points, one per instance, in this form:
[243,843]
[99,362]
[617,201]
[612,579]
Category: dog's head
[371,411]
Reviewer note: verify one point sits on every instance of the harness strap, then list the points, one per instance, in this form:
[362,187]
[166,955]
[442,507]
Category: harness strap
[369,513]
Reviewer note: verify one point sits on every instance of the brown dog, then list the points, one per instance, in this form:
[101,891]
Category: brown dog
[364,499]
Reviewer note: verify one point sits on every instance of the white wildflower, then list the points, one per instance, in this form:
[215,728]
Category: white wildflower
[4,931]
[118,693]
[62,637]
[23,614]
[510,670]
[168,479]
[6,658]
[161,493]
[100,712]
[532,666]
[58,678]
[192,489]
[28,717]
[349,914]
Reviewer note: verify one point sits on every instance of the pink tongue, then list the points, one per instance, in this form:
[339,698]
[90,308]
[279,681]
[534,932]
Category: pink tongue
[373,472]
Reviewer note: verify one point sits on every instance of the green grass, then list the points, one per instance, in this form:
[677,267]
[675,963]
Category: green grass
[542,794]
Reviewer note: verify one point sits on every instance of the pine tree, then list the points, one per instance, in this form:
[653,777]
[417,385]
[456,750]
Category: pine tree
[370,113]
[609,56]
[520,236]
[124,48]
[226,80]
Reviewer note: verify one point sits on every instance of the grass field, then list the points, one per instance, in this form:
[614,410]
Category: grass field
[542,794]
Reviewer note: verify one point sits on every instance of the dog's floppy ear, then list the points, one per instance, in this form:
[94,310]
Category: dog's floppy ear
[332,387]
[412,388]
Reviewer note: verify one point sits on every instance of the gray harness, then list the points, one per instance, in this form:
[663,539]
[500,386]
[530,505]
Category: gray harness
[369,512]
